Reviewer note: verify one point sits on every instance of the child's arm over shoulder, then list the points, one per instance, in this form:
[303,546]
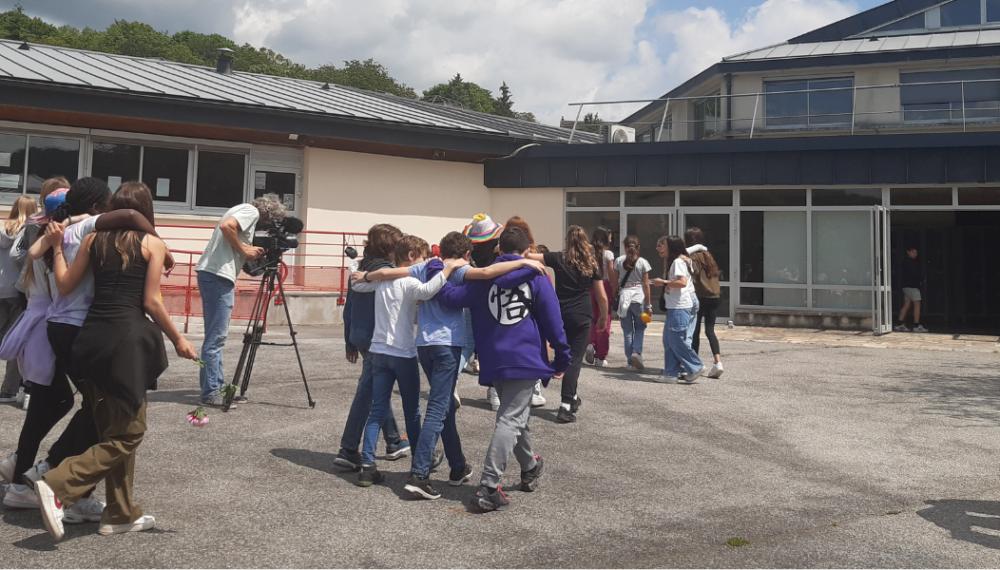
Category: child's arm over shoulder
[518,277]
[455,297]
[414,289]
[550,321]
[505,268]
[361,285]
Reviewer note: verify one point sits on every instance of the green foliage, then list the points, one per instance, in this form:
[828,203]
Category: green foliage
[465,93]
[736,542]
[368,74]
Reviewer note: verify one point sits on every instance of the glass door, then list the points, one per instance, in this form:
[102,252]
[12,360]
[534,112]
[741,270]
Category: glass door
[279,184]
[649,225]
[717,228]
[881,272]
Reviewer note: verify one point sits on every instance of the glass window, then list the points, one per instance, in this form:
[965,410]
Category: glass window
[707,198]
[920,196]
[707,113]
[760,296]
[115,163]
[165,172]
[979,196]
[960,13]
[593,199]
[220,179]
[809,102]
[851,300]
[590,221]
[937,95]
[649,228]
[716,235]
[993,10]
[773,247]
[648,199]
[12,154]
[841,248]
[281,185]
[48,157]
[847,197]
[772,197]
[915,22]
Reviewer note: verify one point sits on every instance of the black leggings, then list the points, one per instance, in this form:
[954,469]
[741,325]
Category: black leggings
[81,433]
[47,406]
[577,328]
[710,311]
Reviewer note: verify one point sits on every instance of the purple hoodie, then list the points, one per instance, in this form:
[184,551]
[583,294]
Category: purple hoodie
[511,316]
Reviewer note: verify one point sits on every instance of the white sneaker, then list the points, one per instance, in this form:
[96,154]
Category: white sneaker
[458,401]
[7,467]
[86,510]
[600,363]
[145,522]
[901,328]
[20,395]
[34,475]
[469,367]
[537,399]
[27,398]
[631,368]
[716,371]
[20,497]
[637,361]
[52,511]
[491,393]
[920,329]
[588,356]
[664,379]
[689,378]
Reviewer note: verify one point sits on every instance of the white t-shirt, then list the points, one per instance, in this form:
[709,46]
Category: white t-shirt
[609,263]
[680,298]
[219,257]
[72,309]
[632,293]
[642,267]
[396,311]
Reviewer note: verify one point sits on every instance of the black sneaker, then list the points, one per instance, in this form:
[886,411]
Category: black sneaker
[347,460]
[421,487]
[565,416]
[575,404]
[370,475]
[459,476]
[488,500]
[529,479]
[436,458]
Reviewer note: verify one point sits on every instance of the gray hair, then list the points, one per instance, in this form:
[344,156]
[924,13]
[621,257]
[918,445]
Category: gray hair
[270,209]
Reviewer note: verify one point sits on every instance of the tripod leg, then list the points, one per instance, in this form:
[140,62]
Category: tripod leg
[259,320]
[245,363]
[295,343]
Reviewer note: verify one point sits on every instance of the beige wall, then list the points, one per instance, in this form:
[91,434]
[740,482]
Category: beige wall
[542,208]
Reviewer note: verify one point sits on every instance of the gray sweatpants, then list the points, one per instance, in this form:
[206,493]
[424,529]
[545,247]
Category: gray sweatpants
[511,432]
[10,310]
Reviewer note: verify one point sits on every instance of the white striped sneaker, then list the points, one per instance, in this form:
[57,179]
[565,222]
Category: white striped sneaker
[20,497]
[145,522]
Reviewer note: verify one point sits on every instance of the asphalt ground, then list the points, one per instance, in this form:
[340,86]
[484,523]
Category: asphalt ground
[817,456]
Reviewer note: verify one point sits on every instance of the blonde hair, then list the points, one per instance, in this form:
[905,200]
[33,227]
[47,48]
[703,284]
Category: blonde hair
[50,186]
[580,252]
[19,212]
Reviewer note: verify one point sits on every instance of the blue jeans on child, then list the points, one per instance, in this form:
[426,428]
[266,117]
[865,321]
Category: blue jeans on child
[634,330]
[440,364]
[217,298]
[361,408]
[386,371]
[689,338]
[677,351]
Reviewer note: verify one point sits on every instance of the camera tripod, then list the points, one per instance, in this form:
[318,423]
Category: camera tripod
[269,281]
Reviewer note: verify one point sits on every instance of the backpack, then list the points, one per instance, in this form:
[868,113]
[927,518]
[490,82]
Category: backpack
[705,287]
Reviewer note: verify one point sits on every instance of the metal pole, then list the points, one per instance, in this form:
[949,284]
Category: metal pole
[963,106]
[663,120]
[854,107]
[573,132]
[753,121]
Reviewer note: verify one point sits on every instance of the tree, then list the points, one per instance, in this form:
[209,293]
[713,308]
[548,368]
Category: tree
[469,95]
[592,123]
[368,74]
[505,104]
[16,25]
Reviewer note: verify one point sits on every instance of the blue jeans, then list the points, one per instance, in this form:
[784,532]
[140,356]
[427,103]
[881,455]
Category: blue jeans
[634,330]
[386,371]
[689,338]
[470,343]
[440,364]
[217,298]
[677,351]
[361,408]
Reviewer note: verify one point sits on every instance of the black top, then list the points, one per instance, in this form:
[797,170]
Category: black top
[912,273]
[572,287]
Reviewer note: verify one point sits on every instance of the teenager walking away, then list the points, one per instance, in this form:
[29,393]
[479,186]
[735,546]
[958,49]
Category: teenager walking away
[680,300]
[118,356]
[705,274]
[10,299]
[577,272]
[913,281]
[600,340]
[631,274]
[512,318]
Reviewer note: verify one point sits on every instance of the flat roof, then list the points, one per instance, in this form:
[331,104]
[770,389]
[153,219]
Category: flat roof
[872,45]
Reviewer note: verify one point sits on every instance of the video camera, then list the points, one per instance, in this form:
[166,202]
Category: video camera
[275,238]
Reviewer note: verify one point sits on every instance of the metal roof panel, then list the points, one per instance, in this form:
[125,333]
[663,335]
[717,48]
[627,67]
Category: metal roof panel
[942,40]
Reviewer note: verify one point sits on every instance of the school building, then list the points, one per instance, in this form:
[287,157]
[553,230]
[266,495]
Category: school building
[811,164]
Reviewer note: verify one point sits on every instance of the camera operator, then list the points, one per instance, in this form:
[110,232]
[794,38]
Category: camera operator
[229,247]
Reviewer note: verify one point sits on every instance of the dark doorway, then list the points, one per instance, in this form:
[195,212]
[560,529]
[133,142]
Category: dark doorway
[960,258]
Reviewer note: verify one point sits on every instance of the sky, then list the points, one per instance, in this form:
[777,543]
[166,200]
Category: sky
[549,52]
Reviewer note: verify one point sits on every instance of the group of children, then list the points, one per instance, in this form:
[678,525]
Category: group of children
[91,272]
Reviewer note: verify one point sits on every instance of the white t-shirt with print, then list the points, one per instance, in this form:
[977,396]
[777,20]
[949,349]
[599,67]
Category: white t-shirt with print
[680,298]
[219,257]
[72,309]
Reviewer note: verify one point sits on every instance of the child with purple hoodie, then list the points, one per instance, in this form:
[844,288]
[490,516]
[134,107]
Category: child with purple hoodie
[512,318]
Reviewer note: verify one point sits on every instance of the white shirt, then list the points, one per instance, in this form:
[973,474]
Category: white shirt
[609,263]
[680,298]
[632,292]
[219,257]
[72,309]
[396,311]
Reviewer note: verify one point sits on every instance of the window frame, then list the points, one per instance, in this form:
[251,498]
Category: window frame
[950,110]
[44,131]
[807,120]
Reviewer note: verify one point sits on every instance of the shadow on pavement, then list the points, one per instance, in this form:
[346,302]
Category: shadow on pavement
[188,397]
[977,522]
[966,392]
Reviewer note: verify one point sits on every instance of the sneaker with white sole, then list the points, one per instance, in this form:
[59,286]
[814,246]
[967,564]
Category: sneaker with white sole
[637,361]
[6,398]
[588,356]
[664,379]
[397,451]
[600,363]
[920,329]
[470,367]
[52,510]
[491,394]
[901,328]
[537,399]
[145,522]
[631,368]
[716,371]
[690,378]
[20,497]
[20,395]
[27,401]
[85,510]
[35,474]
[7,468]
[458,401]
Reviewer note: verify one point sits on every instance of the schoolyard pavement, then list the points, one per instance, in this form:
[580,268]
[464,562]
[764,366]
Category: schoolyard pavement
[813,450]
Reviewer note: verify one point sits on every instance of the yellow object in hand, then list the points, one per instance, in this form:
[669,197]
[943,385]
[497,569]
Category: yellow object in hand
[647,318]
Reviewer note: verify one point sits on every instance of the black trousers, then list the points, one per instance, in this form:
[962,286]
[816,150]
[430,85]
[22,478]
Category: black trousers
[577,328]
[709,311]
[48,405]
[81,433]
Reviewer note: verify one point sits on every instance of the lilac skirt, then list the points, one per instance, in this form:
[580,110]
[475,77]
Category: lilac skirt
[28,342]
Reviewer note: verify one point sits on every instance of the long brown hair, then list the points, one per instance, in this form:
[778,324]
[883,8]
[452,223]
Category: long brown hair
[675,249]
[579,253]
[694,236]
[19,212]
[518,222]
[601,240]
[130,196]
[50,186]
[631,245]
